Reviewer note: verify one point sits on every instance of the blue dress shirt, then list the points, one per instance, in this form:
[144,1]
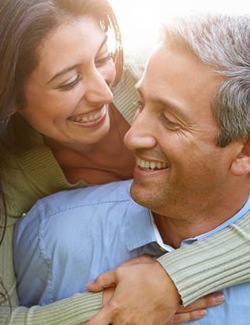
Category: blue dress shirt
[69,238]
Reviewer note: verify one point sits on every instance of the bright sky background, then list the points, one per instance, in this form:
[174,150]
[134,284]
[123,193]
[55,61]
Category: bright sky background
[140,19]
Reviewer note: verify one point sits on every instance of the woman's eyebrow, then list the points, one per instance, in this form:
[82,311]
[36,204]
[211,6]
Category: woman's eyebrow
[104,42]
[62,72]
[67,69]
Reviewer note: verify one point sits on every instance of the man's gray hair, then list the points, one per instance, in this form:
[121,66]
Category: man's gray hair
[222,42]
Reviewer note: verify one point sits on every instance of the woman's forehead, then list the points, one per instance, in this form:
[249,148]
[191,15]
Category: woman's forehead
[72,43]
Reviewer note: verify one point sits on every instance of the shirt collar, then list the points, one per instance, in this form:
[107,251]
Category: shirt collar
[227,223]
[141,229]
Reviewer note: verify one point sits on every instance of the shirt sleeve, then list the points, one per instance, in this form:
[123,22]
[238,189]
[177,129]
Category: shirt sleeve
[71,311]
[221,261]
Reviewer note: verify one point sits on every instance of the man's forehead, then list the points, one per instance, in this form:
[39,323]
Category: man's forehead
[175,57]
[176,78]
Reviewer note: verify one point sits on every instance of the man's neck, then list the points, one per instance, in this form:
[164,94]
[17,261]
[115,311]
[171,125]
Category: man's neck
[174,230]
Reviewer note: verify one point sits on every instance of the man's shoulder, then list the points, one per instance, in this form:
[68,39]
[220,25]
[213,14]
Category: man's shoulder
[91,196]
[89,205]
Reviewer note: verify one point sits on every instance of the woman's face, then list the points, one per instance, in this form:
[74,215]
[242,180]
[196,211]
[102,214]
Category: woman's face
[68,94]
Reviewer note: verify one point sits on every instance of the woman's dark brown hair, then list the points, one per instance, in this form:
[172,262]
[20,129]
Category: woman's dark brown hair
[24,24]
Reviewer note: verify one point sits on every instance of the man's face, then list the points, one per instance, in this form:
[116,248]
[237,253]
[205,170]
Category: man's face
[179,166]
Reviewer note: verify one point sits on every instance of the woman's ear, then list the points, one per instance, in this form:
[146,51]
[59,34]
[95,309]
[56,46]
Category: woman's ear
[241,164]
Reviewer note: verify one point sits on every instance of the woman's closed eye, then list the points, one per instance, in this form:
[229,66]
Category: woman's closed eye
[103,59]
[70,83]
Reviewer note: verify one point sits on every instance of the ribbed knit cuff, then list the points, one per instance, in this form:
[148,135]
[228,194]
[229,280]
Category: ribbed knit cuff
[76,310]
[206,266]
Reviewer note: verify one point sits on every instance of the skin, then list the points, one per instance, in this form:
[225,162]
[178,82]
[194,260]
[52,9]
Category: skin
[68,86]
[121,307]
[175,127]
[68,101]
[68,97]
[173,137]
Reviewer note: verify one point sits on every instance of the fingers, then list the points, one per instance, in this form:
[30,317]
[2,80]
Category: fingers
[140,259]
[210,300]
[109,279]
[105,280]
[196,310]
[187,317]
[107,295]
[102,318]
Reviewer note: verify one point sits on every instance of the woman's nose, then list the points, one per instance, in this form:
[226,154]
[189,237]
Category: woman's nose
[98,89]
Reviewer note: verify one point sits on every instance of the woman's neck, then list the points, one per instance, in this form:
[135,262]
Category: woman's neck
[106,161]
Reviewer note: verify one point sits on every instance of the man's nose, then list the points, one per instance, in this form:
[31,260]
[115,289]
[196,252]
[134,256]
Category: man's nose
[141,135]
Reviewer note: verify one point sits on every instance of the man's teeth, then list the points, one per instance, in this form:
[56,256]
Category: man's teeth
[86,119]
[152,165]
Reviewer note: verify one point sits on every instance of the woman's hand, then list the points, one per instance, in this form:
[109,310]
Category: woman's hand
[141,293]
[197,309]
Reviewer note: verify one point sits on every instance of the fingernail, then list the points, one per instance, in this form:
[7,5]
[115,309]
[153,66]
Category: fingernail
[201,313]
[219,298]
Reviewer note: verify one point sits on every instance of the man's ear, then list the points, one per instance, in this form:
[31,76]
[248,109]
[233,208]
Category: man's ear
[241,164]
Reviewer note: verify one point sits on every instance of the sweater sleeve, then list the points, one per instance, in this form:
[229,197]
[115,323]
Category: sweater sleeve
[220,261]
[71,311]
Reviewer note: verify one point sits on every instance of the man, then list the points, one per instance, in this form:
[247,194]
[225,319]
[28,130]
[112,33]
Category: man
[191,141]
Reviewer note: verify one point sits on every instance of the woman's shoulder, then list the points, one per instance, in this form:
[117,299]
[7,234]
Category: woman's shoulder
[125,97]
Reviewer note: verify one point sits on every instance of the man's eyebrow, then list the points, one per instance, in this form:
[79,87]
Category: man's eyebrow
[171,106]
[67,69]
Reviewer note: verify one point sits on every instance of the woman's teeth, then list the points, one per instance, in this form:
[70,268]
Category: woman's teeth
[86,119]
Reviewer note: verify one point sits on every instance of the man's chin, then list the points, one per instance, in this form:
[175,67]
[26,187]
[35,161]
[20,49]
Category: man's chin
[140,194]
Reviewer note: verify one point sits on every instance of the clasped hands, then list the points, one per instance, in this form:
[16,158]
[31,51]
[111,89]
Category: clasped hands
[139,292]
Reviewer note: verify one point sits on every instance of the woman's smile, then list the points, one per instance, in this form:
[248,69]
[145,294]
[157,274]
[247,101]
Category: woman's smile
[90,119]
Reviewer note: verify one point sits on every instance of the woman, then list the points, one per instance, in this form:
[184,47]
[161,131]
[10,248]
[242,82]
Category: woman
[69,113]
[59,128]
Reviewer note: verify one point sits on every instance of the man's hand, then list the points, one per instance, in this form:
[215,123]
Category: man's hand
[141,293]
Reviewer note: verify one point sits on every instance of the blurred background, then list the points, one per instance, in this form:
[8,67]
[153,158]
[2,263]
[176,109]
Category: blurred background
[140,19]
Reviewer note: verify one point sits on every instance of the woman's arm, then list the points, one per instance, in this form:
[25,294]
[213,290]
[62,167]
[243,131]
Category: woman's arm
[72,311]
[221,261]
